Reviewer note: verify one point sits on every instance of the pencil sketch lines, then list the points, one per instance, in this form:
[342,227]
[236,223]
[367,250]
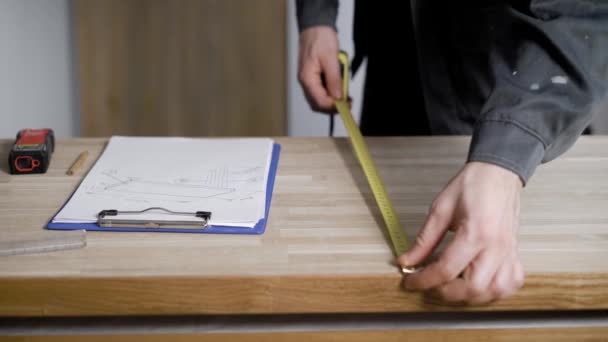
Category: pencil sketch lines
[222,183]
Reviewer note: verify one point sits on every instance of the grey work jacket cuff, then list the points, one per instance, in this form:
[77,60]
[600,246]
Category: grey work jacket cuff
[321,20]
[316,13]
[507,144]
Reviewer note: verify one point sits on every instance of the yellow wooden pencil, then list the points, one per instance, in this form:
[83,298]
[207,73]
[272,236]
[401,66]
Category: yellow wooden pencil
[78,163]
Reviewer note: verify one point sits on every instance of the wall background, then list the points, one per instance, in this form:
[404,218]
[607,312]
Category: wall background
[37,83]
[38,86]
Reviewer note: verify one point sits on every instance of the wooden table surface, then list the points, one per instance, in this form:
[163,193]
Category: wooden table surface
[323,251]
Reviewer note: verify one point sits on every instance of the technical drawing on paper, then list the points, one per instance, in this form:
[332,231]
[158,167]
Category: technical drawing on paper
[225,176]
[221,183]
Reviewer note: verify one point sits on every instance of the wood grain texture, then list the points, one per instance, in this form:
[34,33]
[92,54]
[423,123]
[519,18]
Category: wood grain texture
[106,296]
[189,67]
[472,335]
[323,251]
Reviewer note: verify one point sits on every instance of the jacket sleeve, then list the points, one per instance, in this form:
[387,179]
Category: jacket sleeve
[316,13]
[548,64]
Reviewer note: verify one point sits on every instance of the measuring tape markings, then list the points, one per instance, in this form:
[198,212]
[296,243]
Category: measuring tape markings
[389,214]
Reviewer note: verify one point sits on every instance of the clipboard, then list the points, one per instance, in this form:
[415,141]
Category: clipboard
[168,227]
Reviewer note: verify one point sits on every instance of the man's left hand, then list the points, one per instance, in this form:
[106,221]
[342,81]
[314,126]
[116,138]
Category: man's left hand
[481,263]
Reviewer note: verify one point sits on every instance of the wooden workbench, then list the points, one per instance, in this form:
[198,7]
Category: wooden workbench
[323,251]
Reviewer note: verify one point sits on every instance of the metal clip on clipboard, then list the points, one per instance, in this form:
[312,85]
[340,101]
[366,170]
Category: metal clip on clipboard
[108,218]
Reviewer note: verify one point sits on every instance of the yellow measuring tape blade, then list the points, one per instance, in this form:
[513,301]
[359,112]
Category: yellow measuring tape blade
[393,226]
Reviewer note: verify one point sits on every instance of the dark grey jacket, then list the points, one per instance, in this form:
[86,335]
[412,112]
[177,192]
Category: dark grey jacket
[521,76]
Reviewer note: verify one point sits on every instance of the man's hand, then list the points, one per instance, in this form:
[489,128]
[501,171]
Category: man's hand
[319,56]
[481,263]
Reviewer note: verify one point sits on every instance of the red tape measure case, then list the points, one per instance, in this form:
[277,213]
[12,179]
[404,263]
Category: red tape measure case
[32,151]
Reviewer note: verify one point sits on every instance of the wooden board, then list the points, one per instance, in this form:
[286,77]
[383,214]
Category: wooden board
[472,335]
[188,67]
[323,251]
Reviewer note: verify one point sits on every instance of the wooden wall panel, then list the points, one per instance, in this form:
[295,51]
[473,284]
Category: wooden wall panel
[185,67]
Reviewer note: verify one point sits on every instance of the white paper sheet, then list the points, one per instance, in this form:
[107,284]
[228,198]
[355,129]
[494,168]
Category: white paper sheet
[227,177]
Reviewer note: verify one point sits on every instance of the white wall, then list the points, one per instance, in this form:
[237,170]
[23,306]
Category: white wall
[36,78]
[302,121]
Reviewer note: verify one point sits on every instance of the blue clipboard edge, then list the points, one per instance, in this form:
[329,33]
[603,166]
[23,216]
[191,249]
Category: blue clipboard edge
[259,228]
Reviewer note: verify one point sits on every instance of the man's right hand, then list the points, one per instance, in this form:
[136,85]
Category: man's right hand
[319,56]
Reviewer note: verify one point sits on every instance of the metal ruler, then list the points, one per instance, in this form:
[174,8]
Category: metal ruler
[42,243]
[393,226]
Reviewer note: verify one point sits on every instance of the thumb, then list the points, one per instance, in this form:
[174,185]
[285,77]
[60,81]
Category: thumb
[436,224]
[331,70]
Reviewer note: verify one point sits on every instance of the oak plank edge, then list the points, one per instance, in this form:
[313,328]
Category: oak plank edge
[120,296]
[506,334]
